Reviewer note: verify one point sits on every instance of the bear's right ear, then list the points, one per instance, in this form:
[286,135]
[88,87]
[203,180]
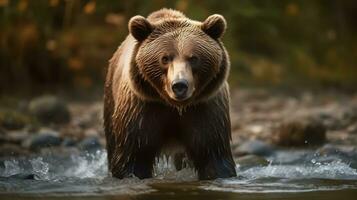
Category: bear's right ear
[140,28]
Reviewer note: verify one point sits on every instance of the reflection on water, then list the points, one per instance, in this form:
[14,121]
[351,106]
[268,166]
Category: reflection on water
[86,174]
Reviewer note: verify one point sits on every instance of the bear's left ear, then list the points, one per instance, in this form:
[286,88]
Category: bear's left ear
[214,26]
[140,27]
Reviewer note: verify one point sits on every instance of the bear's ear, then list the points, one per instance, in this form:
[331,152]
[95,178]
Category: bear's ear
[214,26]
[140,28]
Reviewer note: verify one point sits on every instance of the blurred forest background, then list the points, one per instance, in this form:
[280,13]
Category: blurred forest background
[65,45]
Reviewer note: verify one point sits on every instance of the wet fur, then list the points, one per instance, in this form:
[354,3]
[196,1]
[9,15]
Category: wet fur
[140,120]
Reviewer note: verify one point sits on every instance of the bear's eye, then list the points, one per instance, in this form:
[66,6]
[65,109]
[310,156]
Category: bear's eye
[193,60]
[165,60]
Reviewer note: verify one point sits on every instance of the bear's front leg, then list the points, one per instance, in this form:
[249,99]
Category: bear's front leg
[134,154]
[133,146]
[207,139]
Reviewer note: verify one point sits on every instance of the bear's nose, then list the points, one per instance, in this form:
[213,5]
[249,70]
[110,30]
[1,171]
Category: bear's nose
[180,87]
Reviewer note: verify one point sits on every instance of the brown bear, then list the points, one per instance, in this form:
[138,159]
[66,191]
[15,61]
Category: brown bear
[166,87]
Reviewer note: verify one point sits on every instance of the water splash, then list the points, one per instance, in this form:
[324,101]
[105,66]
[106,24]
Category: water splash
[85,165]
[40,168]
[11,167]
[165,169]
[289,171]
[88,166]
[87,173]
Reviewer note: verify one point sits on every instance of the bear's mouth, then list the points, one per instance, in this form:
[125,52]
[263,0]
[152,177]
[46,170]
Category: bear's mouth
[178,95]
[179,99]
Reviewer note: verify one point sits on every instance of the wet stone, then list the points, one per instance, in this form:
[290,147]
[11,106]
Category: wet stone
[249,161]
[68,142]
[255,147]
[50,109]
[90,143]
[300,132]
[44,140]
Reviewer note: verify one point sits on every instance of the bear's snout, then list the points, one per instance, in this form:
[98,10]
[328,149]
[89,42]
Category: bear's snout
[180,87]
[180,81]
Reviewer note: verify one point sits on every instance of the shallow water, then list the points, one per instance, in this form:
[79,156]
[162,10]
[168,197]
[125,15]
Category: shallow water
[290,175]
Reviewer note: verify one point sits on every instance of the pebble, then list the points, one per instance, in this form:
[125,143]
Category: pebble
[255,147]
[249,161]
[89,143]
[44,140]
[68,142]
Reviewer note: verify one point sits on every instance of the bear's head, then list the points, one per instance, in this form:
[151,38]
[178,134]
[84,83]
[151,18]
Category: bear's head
[179,60]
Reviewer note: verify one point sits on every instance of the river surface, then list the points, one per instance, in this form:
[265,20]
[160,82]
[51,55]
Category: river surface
[291,174]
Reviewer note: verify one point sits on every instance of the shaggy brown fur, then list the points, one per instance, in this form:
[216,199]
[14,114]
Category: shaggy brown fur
[140,114]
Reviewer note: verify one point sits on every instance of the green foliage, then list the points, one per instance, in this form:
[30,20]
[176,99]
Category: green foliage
[50,44]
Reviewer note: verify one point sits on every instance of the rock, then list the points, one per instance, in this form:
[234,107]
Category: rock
[68,142]
[12,120]
[49,109]
[90,143]
[250,161]
[255,147]
[300,132]
[44,140]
